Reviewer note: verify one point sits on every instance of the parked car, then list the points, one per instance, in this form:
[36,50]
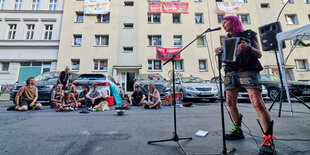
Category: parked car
[46,83]
[243,94]
[273,85]
[103,82]
[161,84]
[197,88]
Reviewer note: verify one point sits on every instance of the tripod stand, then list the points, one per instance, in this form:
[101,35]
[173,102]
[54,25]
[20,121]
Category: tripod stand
[280,94]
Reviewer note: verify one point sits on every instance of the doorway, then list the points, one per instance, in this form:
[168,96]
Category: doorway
[128,80]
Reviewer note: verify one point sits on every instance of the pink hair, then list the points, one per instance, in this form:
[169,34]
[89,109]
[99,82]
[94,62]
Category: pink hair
[237,25]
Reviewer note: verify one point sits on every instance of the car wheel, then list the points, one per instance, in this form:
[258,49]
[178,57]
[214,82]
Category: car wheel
[212,99]
[273,93]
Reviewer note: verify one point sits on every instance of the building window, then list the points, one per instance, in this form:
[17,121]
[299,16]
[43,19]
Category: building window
[201,41]
[105,18]
[46,67]
[244,18]
[153,18]
[203,65]
[154,65]
[100,65]
[241,1]
[154,40]
[176,18]
[18,4]
[309,17]
[1,4]
[102,40]
[291,19]
[52,5]
[179,66]
[197,0]
[77,40]
[290,1]
[220,18]
[75,65]
[79,17]
[307,1]
[128,3]
[177,40]
[264,5]
[302,64]
[35,4]
[48,32]
[12,31]
[30,31]
[128,49]
[128,25]
[5,66]
[199,18]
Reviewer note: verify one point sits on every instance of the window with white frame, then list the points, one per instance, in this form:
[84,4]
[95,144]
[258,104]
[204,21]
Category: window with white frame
[220,18]
[153,17]
[203,65]
[244,18]
[102,40]
[46,67]
[302,64]
[201,41]
[12,31]
[154,65]
[35,4]
[4,66]
[241,1]
[291,19]
[1,4]
[177,40]
[154,40]
[104,18]
[18,4]
[79,17]
[290,1]
[53,4]
[100,65]
[48,32]
[307,1]
[30,31]
[199,18]
[176,18]
[75,64]
[179,66]
[77,40]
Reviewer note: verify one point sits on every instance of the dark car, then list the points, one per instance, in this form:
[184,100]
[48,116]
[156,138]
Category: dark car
[157,80]
[273,85]
[46,83]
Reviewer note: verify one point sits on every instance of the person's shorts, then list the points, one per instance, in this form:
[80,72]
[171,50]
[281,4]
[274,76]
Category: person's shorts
[26,103]
[248,79]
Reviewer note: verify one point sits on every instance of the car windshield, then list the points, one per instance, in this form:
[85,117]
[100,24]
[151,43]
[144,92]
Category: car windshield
[92,77]
[192,80]
[46,76]
[269,78]
[150,77]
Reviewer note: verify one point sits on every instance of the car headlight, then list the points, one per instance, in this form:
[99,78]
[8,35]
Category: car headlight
[215,88]
[190,88]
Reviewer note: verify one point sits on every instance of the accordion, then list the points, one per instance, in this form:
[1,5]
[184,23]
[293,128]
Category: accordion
[230,49]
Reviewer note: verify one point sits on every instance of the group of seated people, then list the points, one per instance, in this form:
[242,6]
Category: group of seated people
[153,98]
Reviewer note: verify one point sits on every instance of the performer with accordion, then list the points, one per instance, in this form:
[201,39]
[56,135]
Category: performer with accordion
[240,55]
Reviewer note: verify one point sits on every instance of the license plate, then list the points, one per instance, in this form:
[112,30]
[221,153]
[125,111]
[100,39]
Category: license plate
[204,93]
[306,92]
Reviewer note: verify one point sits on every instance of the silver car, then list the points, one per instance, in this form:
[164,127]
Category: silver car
[197,88]
[103,82]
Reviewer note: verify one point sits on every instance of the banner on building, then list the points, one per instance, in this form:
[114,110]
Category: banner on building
[229,7]
[167,53]
[168,7]
[96,6]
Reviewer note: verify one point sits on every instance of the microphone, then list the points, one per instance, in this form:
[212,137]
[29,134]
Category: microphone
[215,29]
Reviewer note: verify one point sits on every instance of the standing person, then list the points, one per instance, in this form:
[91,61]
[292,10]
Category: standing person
[137,98]
[244,73]
[82,97]
[29,96]
[57,95]
[63,77]
[94,96]
[153,100]
[73,98]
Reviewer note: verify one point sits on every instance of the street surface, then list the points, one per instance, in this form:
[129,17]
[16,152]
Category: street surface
[56,133]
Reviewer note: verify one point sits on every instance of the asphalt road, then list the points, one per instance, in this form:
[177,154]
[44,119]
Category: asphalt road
[50,132]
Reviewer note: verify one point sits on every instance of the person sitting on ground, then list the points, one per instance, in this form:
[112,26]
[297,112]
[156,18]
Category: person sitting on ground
[82,97]
[29,96]
[94,97]
[137,98]
[63,77]
[153,101]
[73,97]
[57,95]
[65,102]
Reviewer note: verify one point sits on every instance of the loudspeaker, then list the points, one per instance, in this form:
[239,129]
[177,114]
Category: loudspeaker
[268,36]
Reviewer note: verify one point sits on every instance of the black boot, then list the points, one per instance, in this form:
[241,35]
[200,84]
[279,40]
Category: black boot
[268,147]
[236,131]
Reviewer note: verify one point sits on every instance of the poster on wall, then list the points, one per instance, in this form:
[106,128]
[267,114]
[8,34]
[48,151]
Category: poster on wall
[229,7]
[96,6]
[168,7]
[167,53]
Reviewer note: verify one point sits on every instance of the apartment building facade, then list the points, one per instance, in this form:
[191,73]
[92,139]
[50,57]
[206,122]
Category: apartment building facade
[123,42]
[29,38]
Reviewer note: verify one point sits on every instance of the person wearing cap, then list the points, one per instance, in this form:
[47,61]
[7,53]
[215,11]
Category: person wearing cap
[82,97]
[63,78]
[137,97]
[94,96]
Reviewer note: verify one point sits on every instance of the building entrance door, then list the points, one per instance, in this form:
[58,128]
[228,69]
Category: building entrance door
[128,80]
